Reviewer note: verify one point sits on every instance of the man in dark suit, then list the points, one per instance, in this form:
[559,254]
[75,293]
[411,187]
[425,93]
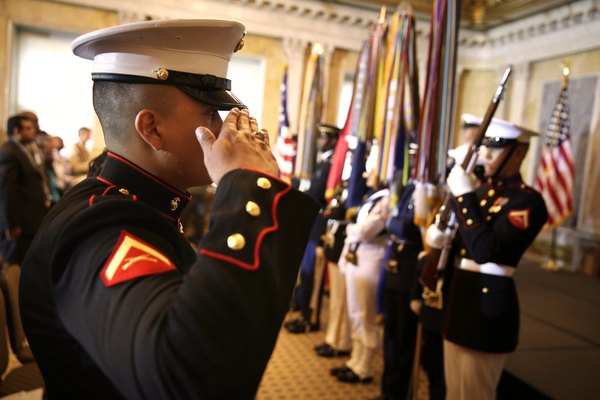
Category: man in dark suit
[23,189]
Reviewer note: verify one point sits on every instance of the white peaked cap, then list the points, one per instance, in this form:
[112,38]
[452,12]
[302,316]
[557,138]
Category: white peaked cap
[503,131]
[470,119]
[193,55]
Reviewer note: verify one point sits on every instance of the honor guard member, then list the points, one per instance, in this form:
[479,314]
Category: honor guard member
[360,262]
[496,222]
[303,295]
[337,334]
[399,278]
[115,302]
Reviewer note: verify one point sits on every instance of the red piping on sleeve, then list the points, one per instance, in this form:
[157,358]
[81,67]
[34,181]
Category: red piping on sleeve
[274,227]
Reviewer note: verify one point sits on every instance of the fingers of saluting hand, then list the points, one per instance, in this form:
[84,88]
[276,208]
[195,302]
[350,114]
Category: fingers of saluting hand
[240,144]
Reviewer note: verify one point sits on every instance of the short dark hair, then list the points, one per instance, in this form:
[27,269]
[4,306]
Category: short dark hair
[16,121]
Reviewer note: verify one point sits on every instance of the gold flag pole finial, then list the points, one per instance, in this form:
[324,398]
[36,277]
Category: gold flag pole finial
[382,12]
[566,70]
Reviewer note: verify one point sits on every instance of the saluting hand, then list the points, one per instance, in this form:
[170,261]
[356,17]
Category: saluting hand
[240,144]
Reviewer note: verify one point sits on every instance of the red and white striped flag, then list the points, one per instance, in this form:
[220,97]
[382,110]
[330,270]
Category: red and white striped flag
[286,145]
[556,172]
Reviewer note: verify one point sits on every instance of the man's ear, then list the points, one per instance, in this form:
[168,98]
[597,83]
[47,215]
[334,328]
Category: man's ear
[146,126]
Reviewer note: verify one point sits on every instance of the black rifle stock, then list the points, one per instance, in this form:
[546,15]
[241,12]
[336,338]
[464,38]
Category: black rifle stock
[436,261]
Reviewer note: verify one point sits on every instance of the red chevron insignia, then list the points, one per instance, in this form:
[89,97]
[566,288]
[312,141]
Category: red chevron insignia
[133,258]
[519,218]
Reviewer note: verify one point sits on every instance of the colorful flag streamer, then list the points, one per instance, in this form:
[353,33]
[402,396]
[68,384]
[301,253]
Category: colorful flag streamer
[311,108]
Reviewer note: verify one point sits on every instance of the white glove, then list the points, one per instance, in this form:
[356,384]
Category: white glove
[420,199]
[415,306]
[459,182]
[435,238]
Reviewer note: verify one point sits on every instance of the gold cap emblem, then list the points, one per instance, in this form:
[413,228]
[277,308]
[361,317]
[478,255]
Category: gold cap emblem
[253,209]
[263,183]
[124,191]
[236,241]
[175,203]
[162,74]
[240,44]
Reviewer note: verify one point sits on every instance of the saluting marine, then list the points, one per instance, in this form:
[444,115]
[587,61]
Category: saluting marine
[115,302]
[496,222]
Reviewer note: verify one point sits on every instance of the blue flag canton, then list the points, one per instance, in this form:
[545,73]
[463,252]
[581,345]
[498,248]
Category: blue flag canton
[558,129]
[283,114]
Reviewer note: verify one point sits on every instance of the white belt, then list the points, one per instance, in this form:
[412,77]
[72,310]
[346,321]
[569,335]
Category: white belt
[487,268]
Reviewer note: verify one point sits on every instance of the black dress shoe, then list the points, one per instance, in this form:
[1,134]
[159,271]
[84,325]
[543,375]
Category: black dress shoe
[349,376]
[321,346]
[300,326]
[331,352]
[338,370]
[297,326]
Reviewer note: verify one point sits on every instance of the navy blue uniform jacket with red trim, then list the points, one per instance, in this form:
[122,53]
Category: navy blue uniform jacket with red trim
[497,223]
[116,304]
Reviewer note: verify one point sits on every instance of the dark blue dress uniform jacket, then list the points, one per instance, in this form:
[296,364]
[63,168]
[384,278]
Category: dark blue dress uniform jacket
[497,223]
[163,322]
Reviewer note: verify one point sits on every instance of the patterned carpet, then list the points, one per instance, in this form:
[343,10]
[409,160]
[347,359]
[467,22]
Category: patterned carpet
[296,372]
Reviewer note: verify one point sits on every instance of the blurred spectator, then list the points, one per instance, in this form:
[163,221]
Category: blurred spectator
[24,194]
[80,156]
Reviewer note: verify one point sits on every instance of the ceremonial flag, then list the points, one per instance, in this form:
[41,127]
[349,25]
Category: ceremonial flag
[285,146]
[365,110]
[311,109]
[400,112]
[436,113]
[556,172]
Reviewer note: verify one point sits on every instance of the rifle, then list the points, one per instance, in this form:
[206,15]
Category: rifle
[437,258]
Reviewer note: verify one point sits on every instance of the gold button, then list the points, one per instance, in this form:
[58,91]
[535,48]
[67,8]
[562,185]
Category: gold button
[523,186]
[491,192]
[263,183]
[162,74]
[175,203]
[463,252]
[124,191]
[484,290]
[460,199]
[469,221]
[253,209]
[483,202]
[488,218]
[464,210]
[236,241]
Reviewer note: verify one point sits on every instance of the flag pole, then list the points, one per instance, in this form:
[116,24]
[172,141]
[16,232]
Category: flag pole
[552,264]
[559,162]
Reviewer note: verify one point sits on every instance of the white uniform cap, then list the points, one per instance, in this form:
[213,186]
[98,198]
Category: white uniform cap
[500,133]
[193,55]
[469,120]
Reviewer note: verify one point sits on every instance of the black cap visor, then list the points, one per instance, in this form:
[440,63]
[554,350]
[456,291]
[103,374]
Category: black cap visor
[222,99]
[208,89]
[496,142]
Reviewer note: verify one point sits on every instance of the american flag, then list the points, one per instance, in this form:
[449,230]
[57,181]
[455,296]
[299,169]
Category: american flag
[286,145]
[556,172]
